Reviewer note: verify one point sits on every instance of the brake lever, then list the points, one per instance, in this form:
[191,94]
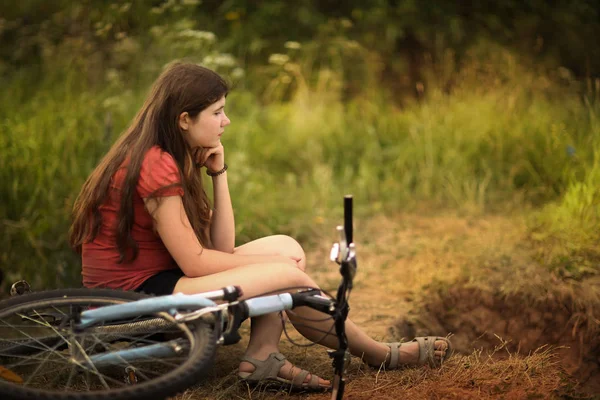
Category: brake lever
[339,250]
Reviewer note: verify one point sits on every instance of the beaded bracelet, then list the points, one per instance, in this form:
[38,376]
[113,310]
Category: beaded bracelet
[218,172]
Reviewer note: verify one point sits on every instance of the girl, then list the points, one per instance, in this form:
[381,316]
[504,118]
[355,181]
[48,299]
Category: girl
[143,222]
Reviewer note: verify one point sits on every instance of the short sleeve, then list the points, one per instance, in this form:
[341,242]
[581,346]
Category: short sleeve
[159,175]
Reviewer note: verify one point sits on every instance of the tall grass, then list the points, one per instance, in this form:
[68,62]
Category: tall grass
[567,230]
[291,161]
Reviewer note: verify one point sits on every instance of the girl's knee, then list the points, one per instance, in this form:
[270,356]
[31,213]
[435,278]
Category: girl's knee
[282,245]
[289,247]
[288,242]
[288,270]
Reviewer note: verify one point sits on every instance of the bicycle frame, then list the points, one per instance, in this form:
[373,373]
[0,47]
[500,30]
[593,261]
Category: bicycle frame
[232,312]
[202,305]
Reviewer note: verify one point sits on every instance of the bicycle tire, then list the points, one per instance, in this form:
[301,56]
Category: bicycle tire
[202,336]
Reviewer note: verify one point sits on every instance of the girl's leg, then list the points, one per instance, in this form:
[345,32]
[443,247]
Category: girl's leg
[275,277]
[275,245]
[288,246]
[271,245]
[265,330]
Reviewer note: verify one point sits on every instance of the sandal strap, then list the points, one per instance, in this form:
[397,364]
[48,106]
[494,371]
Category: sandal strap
[394,354]
[314,382]
[270,368]
[298,380]
[427,349]
[266,369]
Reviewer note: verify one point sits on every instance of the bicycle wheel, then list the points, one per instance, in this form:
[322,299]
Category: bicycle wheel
[43,357]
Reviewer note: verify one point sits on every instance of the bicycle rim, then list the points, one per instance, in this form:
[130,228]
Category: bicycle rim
[43,357]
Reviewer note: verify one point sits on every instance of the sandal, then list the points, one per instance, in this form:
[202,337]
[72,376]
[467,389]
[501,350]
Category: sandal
[267,371]
[426,352]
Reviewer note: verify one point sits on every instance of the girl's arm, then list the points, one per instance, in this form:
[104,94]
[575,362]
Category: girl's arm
[222,228]
[175,230]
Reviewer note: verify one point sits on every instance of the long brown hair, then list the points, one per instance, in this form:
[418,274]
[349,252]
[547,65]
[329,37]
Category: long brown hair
[181,87]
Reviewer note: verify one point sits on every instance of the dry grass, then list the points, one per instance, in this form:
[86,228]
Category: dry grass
[401,259]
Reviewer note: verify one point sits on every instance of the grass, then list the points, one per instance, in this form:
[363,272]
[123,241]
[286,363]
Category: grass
[566,229]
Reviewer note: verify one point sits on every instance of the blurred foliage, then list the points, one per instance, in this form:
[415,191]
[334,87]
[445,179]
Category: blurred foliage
[567,231]
[470,105]
[403,36]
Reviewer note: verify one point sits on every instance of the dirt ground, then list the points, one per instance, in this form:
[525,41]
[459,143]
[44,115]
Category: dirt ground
[519,332]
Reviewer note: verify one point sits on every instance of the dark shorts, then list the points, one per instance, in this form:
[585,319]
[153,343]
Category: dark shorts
[162,283]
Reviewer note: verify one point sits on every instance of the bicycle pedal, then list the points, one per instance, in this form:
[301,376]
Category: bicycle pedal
[20,288]
[131,377]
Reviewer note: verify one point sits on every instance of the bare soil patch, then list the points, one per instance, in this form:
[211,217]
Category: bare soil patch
[481,319]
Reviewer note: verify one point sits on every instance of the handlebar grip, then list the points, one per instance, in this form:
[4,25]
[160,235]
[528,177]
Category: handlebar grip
[348,218]
[312,298]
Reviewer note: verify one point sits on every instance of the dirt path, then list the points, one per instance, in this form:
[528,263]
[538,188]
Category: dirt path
[401,259]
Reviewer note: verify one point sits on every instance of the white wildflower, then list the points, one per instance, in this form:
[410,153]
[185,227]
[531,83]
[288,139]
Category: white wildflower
[237,73]
[278,59]
[225,60]
[292,45]
[200,35]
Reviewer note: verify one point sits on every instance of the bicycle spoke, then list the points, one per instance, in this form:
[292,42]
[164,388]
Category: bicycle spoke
[86,381]
[22,343]
[43,323]
[32,362]
[56,373]
[59,310]
[37,369]
[47,325]
[45,347]
[51,352]
[95,370]
[136,368]
[22,326]
[104,378]
[71,373]
[28,358]
[19,344]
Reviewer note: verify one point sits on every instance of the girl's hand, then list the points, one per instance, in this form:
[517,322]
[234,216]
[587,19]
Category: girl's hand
[213,158]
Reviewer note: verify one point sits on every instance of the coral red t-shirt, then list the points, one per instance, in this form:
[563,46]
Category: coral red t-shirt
[100,257]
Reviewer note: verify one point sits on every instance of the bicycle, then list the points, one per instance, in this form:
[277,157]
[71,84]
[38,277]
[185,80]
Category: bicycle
[100,343]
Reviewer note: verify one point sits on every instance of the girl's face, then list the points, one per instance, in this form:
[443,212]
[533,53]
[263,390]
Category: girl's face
[206,129]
